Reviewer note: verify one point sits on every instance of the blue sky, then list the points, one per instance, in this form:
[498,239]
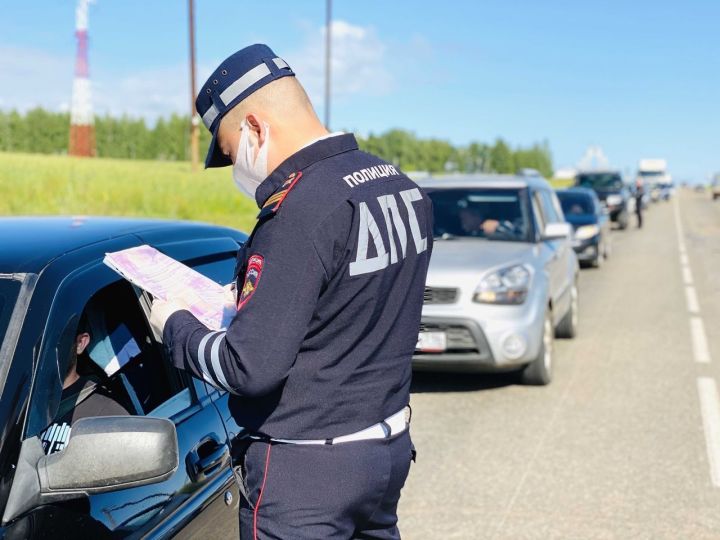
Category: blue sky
[639,78]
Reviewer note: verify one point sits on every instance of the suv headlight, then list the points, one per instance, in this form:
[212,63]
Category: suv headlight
[505,286]
[614,200]
[587,231]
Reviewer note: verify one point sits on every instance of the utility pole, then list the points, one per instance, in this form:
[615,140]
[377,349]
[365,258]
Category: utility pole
[328,41]
[194,120]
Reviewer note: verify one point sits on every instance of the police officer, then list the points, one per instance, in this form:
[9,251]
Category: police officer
[330,289]
[639,194]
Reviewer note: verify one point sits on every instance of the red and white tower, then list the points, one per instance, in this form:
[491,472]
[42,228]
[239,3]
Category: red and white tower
[82,131]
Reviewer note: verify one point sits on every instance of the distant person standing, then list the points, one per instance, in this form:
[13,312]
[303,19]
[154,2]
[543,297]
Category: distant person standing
[639,194]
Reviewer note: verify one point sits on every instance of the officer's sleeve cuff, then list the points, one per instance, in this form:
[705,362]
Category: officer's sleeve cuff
[178,321]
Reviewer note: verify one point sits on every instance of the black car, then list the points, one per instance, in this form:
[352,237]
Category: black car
[611,191]
[165,469]
[589,218]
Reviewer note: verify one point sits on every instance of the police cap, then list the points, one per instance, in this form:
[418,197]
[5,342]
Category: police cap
[238,76]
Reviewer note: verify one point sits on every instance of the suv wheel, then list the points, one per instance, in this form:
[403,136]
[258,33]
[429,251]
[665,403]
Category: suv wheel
[569,323]
[539,371]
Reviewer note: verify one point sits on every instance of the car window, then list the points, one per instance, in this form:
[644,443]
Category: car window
[551,209]
[600,181]
[123,354]
[576,204]
[9,289]
[122,369]
[539,212]
[556,205]
[122,347]
[483,213]
[114,367]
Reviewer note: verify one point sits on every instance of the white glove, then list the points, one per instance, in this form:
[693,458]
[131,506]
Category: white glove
[161,312]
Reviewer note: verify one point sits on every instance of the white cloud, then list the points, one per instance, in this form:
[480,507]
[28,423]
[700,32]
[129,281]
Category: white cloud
[33,77]
[150,93]
[357,62]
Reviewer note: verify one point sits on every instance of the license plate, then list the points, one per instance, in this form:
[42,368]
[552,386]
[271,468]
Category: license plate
[431,342]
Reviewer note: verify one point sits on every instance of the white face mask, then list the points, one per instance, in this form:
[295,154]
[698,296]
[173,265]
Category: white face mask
[248,171]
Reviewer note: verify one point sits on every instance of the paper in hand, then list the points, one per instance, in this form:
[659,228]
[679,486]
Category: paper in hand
[165,278]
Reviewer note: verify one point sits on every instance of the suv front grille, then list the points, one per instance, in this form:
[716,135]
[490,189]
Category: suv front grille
[440,295]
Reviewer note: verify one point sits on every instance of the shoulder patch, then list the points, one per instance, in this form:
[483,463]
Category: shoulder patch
[252,279]
[275,200]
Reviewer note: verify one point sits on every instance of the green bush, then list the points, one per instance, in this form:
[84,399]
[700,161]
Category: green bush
[46,132]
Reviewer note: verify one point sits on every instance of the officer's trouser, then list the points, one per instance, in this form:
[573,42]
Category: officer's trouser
[340,491]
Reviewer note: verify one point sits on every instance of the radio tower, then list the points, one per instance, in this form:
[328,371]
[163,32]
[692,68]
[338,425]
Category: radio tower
[82,131]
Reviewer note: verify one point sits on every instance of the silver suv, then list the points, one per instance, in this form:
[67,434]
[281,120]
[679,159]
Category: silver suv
[502,281]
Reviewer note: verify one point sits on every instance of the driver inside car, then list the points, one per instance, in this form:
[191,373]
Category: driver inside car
[473,222]
[82,397]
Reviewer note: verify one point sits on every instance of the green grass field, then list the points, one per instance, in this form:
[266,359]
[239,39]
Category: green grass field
[36,184]
[561,183]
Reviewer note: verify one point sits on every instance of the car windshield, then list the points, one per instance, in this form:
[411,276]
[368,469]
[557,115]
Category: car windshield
[602,181]
[574,204]
[489,213]
[650,174]
[9,289]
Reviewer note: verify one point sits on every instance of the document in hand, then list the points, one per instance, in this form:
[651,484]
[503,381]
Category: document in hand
[165,278]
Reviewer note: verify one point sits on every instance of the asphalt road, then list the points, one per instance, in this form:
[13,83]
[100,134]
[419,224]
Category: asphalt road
[625,442]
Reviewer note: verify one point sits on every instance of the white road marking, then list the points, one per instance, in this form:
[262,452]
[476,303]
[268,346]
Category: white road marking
[710,409]
[676,211]
[691,300]
[707,388]
[687,275]
[679,230]
[699,341]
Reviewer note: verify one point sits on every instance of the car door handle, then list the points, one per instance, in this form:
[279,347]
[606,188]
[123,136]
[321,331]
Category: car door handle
[207,458]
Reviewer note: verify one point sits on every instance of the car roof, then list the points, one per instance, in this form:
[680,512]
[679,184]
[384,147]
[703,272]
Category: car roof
[31,243]
[497,181]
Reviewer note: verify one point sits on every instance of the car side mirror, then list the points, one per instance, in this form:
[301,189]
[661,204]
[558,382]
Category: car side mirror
[556,231]
[104,453]
[110,453]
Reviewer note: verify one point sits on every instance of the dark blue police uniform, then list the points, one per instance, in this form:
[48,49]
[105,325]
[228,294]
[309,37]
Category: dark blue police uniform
[330,295]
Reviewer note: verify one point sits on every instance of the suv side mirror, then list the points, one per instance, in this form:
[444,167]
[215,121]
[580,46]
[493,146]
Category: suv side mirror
[556,231]
[104,453]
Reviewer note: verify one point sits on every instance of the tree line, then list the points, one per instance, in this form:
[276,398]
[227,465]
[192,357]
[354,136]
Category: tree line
[46,132]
